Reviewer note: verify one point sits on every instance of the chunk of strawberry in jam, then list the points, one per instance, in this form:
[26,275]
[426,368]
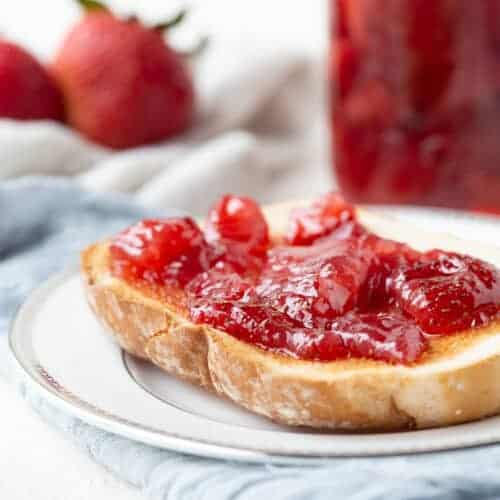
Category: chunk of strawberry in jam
[355,16]
[316,283]
[238,219]
[432,49]
[383,336]
[217,285]
[449,293]
[385,248]
[238,230]
[252,323]
[338,19]
[234,257]
[389,256]
[306,225]
[343,66]
[160,250]
[228,302]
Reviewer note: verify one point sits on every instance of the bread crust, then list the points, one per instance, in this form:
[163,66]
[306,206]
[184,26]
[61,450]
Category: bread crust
[457,380]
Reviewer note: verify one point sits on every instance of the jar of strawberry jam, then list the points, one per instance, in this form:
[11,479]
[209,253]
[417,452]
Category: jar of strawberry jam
[415,101]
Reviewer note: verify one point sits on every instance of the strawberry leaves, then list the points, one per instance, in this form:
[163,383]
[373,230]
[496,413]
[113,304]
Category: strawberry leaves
[174,21]
[92,5]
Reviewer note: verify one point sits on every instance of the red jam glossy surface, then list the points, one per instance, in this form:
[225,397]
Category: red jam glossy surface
[415,95]
[448,293]
[324,216]
[331,290]
[160,251]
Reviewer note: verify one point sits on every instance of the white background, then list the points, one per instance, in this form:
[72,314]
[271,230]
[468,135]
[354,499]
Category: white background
[36,462]
[298,25]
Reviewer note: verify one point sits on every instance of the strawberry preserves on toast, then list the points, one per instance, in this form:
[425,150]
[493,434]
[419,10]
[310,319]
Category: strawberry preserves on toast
[328,289]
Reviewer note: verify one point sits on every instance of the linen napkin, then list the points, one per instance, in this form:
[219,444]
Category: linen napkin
[43,225]
[259,129]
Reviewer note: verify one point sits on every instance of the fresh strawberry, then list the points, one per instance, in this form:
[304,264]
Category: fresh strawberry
[124,86]
[27,91]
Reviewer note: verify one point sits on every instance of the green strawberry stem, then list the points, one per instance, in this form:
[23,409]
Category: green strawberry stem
[90,5]
[191,54]
[196,51]
[174,21]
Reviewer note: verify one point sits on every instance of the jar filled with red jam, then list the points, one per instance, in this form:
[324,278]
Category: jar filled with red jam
[415,101]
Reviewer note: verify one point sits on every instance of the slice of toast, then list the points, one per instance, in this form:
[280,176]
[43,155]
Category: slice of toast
[456,380]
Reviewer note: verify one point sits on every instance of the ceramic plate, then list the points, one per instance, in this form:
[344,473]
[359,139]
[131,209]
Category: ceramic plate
[62,352]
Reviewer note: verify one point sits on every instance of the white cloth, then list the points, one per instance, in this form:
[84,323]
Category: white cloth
[259,131]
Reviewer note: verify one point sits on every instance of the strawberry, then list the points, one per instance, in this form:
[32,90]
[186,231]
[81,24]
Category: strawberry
[27,91]
[123,85]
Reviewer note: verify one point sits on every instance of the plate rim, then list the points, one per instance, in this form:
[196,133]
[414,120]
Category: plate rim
[84,411]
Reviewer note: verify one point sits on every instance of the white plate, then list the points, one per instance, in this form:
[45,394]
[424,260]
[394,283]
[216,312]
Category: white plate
[62,351]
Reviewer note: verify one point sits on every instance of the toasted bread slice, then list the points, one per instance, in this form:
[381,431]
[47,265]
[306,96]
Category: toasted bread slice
[456,380]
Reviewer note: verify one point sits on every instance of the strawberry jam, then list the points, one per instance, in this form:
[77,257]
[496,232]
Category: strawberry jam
[238,220]
[171,250]
[415,101]
[322,218]
[448,292]
[331,290]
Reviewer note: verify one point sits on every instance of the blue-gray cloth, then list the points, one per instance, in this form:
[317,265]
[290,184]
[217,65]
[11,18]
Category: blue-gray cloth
[43,225]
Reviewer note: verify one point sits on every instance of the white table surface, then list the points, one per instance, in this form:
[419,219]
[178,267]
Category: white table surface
[37,462]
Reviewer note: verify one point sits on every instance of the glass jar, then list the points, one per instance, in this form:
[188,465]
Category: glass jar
[415,101]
